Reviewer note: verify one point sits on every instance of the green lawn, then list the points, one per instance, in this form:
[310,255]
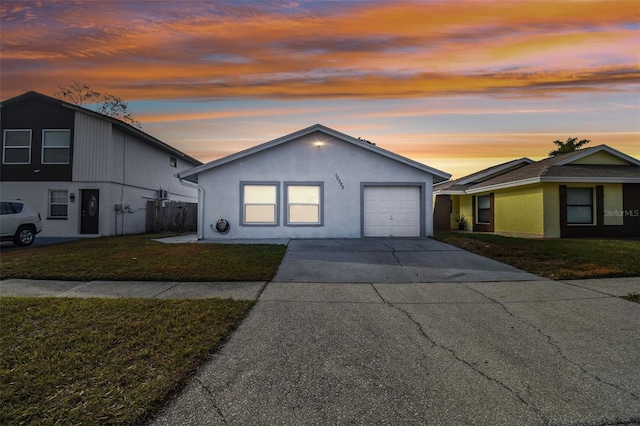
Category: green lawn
[103,361]
[139,258]
[558,259]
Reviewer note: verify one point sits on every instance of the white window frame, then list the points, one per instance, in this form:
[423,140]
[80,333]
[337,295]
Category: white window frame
[5,147]
[243,204]
[288,204]
[55,147]
[592,205]
[50,215]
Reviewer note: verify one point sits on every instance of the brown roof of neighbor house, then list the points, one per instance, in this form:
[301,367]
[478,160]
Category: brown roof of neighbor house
[559,168]
[468,181]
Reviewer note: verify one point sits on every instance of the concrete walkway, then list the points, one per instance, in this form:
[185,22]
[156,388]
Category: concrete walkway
[132,289]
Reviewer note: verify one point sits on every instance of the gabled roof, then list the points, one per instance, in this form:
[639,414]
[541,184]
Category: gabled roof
[458,186]
[119,124]
[192,173]
[561,169]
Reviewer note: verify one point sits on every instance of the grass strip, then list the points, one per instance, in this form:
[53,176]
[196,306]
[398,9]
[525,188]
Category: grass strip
[139,258]
[87,361]
[557,259]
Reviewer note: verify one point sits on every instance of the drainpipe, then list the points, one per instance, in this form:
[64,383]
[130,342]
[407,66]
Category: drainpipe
[200,224]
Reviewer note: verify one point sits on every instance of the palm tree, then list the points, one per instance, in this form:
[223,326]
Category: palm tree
[570,145]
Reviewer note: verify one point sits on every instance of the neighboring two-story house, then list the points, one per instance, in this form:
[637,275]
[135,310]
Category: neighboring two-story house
[86,173]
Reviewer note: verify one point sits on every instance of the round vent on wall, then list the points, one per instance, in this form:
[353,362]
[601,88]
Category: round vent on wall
[222,226]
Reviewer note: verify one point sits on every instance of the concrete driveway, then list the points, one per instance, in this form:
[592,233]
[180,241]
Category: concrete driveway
[499,351]
[388,260]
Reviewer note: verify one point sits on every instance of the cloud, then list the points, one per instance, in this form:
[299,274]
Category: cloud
[158,50]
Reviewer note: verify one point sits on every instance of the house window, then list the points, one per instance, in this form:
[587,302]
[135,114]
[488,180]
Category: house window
[56,146]
[484,209]
[579,206]
[58,203]
[173,161]
[304,203]
[259,203]
[17,147]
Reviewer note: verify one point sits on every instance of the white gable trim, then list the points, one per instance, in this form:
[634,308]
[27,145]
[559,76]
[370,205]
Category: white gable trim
[591,151]
[449,192]
[553,180]
[307,131]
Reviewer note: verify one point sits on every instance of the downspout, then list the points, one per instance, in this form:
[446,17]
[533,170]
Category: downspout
[200,224]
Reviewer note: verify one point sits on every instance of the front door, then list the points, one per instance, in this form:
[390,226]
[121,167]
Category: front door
[90,211]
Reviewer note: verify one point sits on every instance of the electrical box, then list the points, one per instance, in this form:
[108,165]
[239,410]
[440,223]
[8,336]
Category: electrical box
[163,194]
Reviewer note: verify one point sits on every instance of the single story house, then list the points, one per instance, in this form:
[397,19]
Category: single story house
[87,174]
[314,183]
[592,192]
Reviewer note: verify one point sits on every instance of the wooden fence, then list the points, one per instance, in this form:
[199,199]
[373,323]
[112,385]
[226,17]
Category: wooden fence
[171,216]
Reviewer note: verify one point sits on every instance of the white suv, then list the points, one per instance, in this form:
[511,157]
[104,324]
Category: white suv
[19,223]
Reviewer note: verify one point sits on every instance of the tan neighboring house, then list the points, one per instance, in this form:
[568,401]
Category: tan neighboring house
[593,192]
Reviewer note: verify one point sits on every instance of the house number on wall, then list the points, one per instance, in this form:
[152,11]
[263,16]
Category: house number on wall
[339,182]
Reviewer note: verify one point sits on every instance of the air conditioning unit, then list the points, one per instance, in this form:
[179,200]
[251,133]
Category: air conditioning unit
[163,194]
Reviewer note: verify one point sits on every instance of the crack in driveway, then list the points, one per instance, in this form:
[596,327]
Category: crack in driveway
[455,356]
[393,253]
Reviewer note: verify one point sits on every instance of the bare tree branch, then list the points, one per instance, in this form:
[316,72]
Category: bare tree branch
[81,94]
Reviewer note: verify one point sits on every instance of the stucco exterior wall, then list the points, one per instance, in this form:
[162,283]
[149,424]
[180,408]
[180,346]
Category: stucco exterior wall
[601,158]
[317,157]
[519,211]
[36,195]
[465,207]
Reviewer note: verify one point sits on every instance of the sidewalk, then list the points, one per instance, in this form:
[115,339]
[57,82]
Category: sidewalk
[235,290]
[132,289]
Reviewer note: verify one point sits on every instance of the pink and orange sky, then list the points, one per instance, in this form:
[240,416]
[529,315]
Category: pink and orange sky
[459,85]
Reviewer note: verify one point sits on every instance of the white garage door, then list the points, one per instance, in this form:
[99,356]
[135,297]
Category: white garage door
[392,211]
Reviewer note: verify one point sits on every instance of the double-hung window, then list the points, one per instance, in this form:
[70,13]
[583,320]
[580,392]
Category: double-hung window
[58,203]
[259,203]
[580,206]
[304,203]
[484,209]
[56,146]
[16,146]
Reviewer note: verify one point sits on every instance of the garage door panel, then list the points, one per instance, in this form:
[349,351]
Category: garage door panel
[392,212]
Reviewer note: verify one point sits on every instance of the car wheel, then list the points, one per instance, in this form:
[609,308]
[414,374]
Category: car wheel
[24,236]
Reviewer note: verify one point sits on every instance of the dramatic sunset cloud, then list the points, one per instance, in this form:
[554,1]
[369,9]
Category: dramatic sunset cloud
[455,84]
